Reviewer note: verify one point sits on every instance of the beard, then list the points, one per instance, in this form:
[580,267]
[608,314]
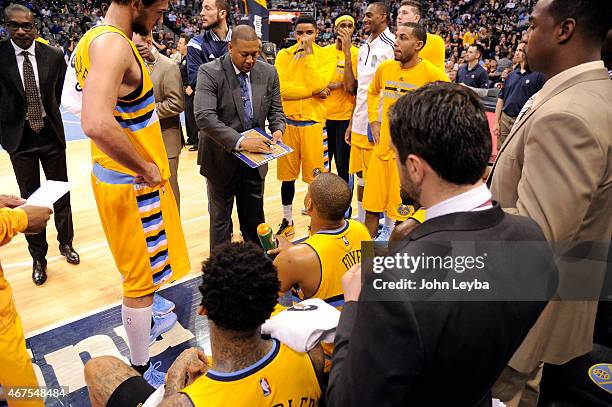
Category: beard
[212,24]
[139,27]
[409,192]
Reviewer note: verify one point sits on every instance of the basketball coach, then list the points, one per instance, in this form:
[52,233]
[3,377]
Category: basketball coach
[31,129]
[235,93]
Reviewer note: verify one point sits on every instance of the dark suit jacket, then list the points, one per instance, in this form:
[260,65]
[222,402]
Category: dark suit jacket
[220,115]
[433,353]
[13,105]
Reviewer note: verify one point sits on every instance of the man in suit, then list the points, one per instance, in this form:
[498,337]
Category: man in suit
[31,129]
[236,93]
[555,168]
[391,352]
[169,102]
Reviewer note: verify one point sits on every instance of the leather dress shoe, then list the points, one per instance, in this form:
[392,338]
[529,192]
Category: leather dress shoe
[193,147]
[39,272]
[69,253]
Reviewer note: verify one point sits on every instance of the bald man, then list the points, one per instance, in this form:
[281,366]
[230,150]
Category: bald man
[317,265]
[236,93]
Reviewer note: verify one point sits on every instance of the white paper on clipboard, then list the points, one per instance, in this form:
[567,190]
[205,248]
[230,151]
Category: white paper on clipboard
[48,193]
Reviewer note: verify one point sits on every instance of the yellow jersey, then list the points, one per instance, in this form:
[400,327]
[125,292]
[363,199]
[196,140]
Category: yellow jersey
[283,377]
[469,38]
[12,221]
[339,104]
[135,113]
[434,50]
[300,76]
[390,82]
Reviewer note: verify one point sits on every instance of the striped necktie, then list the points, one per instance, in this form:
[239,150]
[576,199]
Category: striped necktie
[34,113]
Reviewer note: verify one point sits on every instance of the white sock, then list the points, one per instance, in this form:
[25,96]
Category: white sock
[389,223]
[137,324]
[360,212]
[288,212]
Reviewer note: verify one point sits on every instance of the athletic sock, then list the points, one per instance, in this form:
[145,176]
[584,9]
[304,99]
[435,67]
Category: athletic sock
[389,223]
[137,324]
[288,212]
[360,212]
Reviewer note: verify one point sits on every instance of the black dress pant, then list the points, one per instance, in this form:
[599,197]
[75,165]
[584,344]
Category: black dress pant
[247,187]
[337,147]
[190,122]
[43,149]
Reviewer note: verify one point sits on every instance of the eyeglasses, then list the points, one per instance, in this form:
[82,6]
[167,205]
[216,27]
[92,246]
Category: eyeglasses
[13,26]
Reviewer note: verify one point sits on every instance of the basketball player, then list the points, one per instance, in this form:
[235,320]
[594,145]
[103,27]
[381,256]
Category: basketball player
[15,364]
[239,290]
[378,48]
[130,175]
[392,79]
[341,100]
[434,49]
[316,266]
[304,69]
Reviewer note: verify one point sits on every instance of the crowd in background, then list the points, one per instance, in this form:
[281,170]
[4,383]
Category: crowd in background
[496,24]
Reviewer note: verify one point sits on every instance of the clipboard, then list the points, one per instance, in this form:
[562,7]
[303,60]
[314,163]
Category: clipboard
[255,160]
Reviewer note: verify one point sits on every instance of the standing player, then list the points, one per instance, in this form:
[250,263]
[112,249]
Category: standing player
[378,48]
[130,175]
[304,69]
[314,269]
[434,49]
[341,100]
[393,78]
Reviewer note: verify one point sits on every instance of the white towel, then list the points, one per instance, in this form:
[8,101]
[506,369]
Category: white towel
[304,325]
[156,397]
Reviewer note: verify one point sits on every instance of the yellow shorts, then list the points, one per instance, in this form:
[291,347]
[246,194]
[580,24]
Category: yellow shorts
[359,160]
[17,369]
[382,189]
[143,230]
[309,151]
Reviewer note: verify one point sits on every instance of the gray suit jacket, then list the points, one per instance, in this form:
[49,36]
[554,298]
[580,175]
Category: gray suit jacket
[220,115]
[555,167]
[169,102]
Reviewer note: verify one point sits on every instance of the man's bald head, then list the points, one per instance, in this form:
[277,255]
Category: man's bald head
[244,33]
[330,195]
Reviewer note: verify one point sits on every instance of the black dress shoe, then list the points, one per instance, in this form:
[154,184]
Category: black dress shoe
[193,147]
[39,272]
[68,252]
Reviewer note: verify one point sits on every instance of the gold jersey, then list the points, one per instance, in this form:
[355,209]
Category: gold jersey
[135,113]
[282,378]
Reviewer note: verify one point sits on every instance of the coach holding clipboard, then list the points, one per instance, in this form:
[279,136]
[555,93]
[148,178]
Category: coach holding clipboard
[236,93]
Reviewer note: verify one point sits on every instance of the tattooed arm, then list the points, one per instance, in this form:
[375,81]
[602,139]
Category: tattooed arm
[190,365]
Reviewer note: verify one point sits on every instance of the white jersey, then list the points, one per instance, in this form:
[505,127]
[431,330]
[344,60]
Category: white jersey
[371,54]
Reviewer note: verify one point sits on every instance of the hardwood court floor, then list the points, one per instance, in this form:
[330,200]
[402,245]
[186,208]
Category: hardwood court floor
[95,283]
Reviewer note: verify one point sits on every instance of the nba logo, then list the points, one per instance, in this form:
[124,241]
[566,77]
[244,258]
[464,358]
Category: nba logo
[345,240]
[265,387]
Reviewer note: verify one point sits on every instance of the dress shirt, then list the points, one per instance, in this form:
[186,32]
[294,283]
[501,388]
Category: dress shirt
[476,199]
[32,57]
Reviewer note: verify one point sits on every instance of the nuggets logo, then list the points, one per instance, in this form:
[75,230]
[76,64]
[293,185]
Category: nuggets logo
[601,375]
[405,210]
[265,387]
[302,307]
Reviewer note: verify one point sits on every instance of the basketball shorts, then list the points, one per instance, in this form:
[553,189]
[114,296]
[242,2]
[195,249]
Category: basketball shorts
[309,151]
[360,157]
[382,189]
[16,366]
[143,230]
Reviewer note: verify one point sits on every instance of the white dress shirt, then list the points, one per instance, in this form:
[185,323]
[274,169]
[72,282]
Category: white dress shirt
[476,199]
[32,57]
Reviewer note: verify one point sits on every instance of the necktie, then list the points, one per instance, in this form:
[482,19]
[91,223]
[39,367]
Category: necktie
[34,113]
[246,99]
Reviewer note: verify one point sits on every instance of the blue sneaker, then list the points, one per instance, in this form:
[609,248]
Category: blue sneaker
[384,234]
[161,324]
[153,376]
[161,306]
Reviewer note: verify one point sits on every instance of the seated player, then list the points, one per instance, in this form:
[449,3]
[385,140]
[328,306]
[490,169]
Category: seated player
[239,290]
[316,266]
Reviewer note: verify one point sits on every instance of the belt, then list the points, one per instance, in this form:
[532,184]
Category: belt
[172,122]
[296,123]
[111,176]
